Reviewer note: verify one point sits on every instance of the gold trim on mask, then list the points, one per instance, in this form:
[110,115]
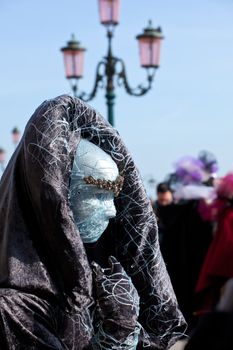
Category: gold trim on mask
[115,186]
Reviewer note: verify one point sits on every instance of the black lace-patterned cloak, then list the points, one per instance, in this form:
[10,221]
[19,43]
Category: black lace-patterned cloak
[45,278]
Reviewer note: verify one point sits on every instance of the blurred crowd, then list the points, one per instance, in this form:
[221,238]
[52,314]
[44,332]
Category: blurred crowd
[194,210]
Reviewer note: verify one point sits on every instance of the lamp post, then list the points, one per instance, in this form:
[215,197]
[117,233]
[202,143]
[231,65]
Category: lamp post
[15,134]
[111,70]
[150,182]
[2,159]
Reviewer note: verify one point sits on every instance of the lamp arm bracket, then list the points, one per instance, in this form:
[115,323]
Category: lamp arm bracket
[98,79]
[140,90]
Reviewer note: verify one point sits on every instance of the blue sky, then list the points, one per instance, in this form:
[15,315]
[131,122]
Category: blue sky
[190,106]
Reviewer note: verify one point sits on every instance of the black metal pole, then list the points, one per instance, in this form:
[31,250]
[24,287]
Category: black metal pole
[110,72]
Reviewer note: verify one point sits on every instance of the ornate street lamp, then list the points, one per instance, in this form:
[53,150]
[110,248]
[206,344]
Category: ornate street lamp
[149,46]
[73,60]
[2,159]
[111,70]
[15,133]
[109,11]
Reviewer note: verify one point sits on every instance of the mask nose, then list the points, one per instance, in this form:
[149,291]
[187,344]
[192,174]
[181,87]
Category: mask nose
[110,209]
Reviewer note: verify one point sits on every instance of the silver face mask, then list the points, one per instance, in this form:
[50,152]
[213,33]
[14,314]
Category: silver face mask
[91,205]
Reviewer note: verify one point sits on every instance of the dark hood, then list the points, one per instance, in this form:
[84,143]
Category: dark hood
[41,250]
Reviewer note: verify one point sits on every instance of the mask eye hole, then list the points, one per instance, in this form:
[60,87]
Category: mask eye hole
[101,196]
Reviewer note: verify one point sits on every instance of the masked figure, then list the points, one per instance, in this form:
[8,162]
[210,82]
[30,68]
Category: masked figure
[93,177]
[71,198]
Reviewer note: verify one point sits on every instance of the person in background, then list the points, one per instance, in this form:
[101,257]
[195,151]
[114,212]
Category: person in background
[218,265]
[164,195]
[163,208]
[186,237]
[215,328]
